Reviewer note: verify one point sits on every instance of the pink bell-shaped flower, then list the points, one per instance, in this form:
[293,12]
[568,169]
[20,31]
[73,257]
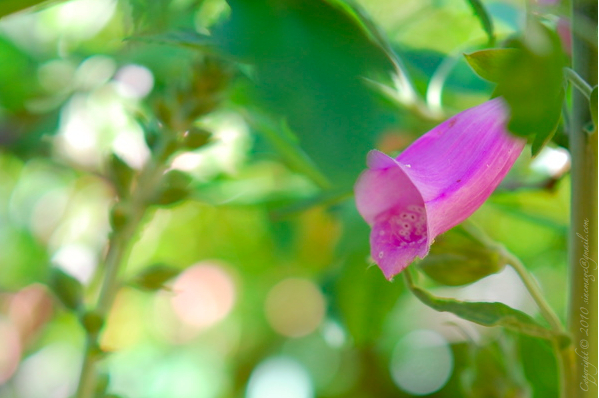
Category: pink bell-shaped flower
[434,184]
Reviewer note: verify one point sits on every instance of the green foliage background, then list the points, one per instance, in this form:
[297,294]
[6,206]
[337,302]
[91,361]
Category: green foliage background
[285,89]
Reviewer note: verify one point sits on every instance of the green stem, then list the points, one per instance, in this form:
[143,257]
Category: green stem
[582,305]
[579,82]
[563,353]
[535,291]
[118,246]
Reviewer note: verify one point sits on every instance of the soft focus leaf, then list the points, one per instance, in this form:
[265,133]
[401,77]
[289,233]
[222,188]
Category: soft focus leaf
[10,6]
[485,314]
[103,380]
[195,138]
[189,39]
[485,19]
[489,63]
[173,188]
[92,321]
[68,289]
[458,258]
[154,277]
[322,62]
[532,83]
[543,139]
[17,77]
[495,372]
[121,174]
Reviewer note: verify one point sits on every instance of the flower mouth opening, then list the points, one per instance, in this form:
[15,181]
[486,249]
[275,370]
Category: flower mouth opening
[398,236]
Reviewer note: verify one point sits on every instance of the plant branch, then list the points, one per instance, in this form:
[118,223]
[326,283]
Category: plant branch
[118,249]
[535,291]
[578,82]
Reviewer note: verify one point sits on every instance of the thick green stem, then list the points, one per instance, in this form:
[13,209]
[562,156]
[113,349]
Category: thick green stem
[582,306]
[563,354]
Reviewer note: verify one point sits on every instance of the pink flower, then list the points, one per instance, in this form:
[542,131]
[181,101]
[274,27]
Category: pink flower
[435,184]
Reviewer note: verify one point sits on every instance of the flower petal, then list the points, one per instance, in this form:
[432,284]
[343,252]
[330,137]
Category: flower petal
[435,184]
[457,165]
[393,206]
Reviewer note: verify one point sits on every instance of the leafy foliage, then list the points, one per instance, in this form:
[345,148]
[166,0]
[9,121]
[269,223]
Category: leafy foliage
[223,139]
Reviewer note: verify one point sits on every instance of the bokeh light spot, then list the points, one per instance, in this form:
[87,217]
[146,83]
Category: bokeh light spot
[295,307]
[280,377]
[77,260]
[203,295]
[134,81]
[422,362]
[10,349]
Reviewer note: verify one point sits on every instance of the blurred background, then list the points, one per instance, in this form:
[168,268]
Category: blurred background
[270,289]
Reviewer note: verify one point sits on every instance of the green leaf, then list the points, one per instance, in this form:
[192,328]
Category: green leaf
[68,289]
[458,258]
[497,361]
[195,138]
[183,38]
[102,382]
[118,216]
[485,314]
[532,84]
[284,142]
[326,77]
[542,139]
[154,277]
[485,19]
[593,106]
[152,130]
[11,6]
[173,188]
[92,321]
[489,64]
[121,175]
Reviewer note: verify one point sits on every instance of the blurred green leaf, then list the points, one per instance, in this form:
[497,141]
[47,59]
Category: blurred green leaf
[173,188]
[485,314]
[154,277]
[458,258]
[319,52]
[118,216]
[183,38]
[489,63]
[102,382]
[543,139]
[18,78]
[284,141]
[485,19]
[532,84]
[195,138]
[151,15]
[92,321]
[68,289]
[11,6]
[120,174]
[495,372]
